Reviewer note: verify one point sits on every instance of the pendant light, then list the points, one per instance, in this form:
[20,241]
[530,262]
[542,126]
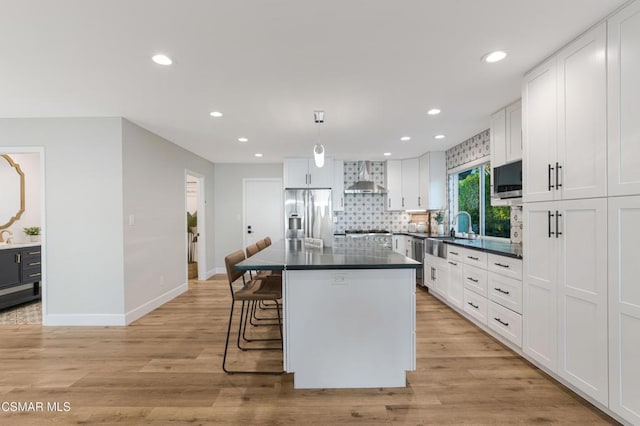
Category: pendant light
[318,148]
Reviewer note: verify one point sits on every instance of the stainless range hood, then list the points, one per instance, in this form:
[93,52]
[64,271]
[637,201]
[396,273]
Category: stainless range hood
[365,183]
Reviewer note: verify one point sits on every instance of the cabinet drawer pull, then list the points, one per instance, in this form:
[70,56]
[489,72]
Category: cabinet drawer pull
[34,252]
[473,258]
[453,253]
[475,306]
[34,275]
[453,263]
[501,290]
[502,265]
[506,324]
[34,264]
[472,279]
[18,258]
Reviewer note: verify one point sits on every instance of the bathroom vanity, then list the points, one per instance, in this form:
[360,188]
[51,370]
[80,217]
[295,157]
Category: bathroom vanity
[20,274]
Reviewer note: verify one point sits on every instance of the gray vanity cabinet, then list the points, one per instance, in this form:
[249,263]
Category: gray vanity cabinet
[20,275]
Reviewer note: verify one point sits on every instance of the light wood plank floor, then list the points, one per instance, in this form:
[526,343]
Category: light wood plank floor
[166,369]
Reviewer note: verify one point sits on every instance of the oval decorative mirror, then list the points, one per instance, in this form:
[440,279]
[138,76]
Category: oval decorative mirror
[11,191]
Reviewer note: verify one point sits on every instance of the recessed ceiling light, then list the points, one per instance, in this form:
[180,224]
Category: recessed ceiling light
[215,114]
[439,136]
[405,138]
[387,154]
[161,59]
[496,56]
[243,140]
[257,154]
[433,111]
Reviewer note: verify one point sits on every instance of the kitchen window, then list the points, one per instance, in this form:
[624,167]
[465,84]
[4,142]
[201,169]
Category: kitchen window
[470,191]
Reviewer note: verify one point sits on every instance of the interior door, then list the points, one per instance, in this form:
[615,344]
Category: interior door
[263,210]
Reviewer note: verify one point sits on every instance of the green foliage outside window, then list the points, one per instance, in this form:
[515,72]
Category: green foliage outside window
[497,220]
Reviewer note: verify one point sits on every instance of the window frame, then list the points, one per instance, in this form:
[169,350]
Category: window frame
[452,175]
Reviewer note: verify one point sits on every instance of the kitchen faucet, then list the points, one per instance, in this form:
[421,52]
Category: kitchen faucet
[455,218]
[2,236]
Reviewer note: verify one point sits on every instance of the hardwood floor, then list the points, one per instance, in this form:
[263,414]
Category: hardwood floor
[166,369]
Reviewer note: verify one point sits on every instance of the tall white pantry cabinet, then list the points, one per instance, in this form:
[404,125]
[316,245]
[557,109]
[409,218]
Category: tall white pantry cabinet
[581,167]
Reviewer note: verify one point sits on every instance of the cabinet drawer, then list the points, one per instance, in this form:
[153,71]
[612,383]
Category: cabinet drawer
[475,279]
[476,306]
[475,258]
[505,322]
[505,291]
[507,266]
[31,275]
[454,253]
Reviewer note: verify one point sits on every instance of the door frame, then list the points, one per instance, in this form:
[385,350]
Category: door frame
[202,234]
[244,207]
[44,289]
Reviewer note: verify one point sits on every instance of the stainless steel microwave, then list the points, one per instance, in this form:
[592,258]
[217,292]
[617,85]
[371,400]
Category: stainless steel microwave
[507,180]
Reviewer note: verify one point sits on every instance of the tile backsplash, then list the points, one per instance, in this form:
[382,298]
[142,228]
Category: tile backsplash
[516,224]
[367,211]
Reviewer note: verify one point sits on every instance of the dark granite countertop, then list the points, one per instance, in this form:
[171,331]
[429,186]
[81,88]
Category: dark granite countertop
[422,235]
[344,254]
[491,246]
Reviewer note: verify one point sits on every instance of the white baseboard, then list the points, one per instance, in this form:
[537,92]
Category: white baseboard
[83,320]
[152,304]
[216,270]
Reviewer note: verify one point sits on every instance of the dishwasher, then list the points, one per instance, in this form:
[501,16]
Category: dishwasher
[418,255]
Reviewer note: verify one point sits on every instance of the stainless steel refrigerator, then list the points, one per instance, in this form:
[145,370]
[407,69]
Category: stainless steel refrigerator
[308,214]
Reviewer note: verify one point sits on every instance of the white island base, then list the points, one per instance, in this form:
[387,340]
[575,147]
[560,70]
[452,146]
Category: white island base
[349,328]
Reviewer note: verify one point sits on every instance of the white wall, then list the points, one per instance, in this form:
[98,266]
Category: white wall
[30,165]
[155,256]
[228,204]
[82,227]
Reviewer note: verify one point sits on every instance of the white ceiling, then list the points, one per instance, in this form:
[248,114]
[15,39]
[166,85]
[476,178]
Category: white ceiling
[374,66]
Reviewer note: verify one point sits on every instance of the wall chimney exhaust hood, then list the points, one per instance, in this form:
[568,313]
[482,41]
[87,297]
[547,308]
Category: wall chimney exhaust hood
[365,183]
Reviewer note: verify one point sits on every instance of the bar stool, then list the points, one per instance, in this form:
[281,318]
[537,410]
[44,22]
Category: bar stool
[252,291]
[267,241]
[271,281]
[261,244]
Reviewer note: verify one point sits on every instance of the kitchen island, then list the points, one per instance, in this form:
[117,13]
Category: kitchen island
[348,312]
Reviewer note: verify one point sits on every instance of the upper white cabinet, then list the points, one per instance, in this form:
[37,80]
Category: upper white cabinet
[393,174]
[417,183]
[433,181]
[624,101]
[337,189]
[624,307]
[506,135]
[565,291]
[410,184]
[564,123]
[303,173]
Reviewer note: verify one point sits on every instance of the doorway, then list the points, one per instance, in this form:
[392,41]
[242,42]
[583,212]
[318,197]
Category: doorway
[195,225]
[262,210]
[22,260]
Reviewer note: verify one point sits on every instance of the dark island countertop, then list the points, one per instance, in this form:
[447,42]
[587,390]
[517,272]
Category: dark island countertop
[344,254]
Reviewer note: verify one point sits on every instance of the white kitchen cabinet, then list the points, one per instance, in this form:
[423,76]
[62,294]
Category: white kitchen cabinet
[564,123]
[399,244]
[337,189]
[624,306]
[539,309]
[393,176]
[303,173]
[410,184]
[539,132]
[455,293]
[408,246]
[565,291]
[582,295]
[436,272]
[506,135]
[433,181]
[624,102]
